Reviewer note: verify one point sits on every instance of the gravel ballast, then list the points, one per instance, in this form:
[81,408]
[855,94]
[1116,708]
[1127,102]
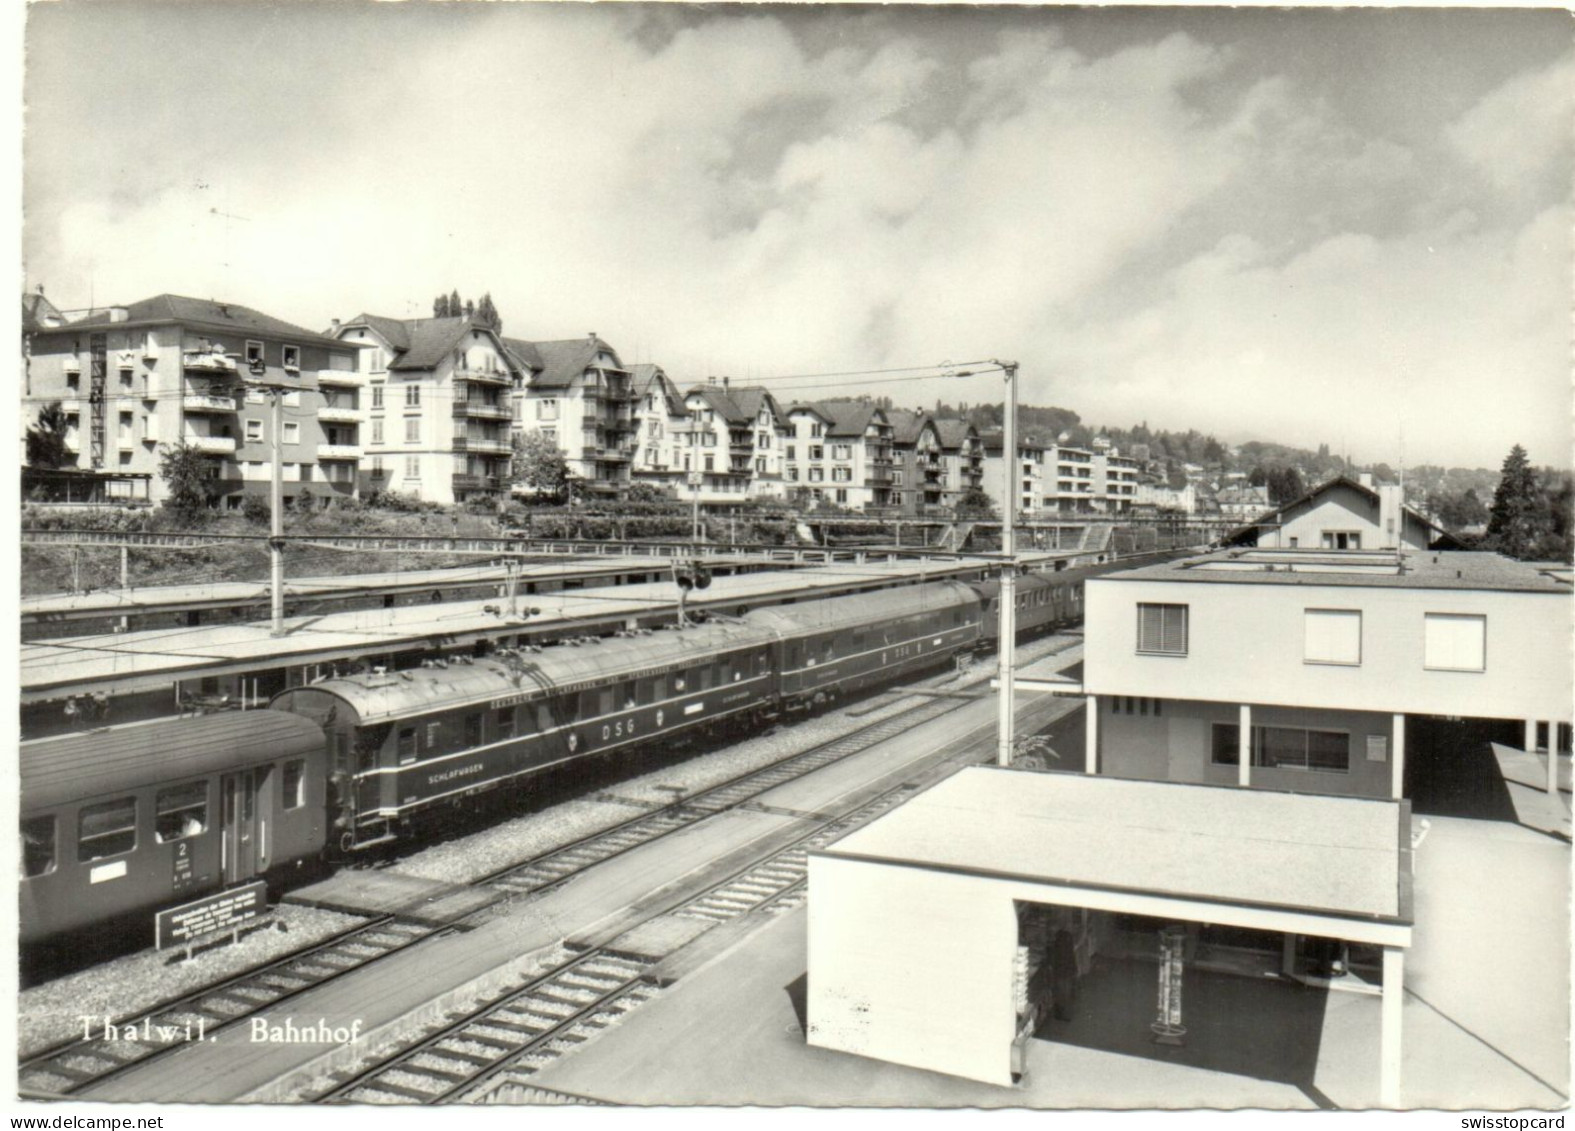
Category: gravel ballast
[53,1012]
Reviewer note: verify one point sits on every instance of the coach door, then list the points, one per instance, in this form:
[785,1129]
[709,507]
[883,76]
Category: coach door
[245,833]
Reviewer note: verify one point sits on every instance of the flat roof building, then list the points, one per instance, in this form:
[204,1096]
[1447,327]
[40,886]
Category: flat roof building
[921,947]
[1320,657]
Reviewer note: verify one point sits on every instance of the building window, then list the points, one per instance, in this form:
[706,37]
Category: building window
[292,357]
[1162,629]
[1454,642]
[377,396]
[254,352]
[1342,540]
[292,432]
[841,451]
[412,396]
[817,475]
[292,399]
[842,475]
[1333,636]
[710,463]
[791,452]
[816,451]
[1285,748]
[254,431]
[763,440]
[815,431]
[377,431]
[106,829]
[842,494]
[412,467]
[760,466]
[547,409]
[413,429]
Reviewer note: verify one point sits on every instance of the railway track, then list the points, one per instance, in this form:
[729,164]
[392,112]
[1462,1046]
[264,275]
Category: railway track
[562,864]
[141,1037]
[524,1029]
[521,1038]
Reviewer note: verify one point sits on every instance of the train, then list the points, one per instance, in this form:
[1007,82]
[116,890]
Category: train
[123,822]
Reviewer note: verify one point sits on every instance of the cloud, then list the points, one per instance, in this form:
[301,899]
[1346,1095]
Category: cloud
[1162,227]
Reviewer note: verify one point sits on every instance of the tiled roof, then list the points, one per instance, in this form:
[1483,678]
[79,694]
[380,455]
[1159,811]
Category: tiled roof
[952,431]
[738,405]
[526,355]
[210,314]
[562,361]
[391,330]
[431,340]
[644,374]
[807,406]
[906,425]
[851,418]
[35,309]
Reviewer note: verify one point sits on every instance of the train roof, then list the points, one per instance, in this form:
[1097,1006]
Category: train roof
[864,608]
[76,767]
[379,697]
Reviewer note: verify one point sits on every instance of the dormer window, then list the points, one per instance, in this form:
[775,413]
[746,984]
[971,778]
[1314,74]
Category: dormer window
[292,358]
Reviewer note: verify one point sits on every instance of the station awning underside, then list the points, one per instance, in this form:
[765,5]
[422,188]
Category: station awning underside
[1335,867]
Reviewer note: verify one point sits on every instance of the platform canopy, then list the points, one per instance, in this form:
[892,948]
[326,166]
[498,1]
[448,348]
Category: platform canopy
[1307,863]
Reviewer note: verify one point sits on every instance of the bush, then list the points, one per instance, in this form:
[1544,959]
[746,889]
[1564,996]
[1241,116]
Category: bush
[255,508]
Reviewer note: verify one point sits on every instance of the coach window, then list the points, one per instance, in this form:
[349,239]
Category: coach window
[607,700]
[544,717]
[407,745]
[434,735]
[293,784]
[679,682]
[180,811]
[626,694]
[107,829]
[38,846]
[473,729]
[505,719]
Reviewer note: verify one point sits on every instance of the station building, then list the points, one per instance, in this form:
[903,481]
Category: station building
[1321,658]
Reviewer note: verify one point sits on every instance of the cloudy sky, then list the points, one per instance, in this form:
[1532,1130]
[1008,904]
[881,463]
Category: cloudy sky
[1308,226]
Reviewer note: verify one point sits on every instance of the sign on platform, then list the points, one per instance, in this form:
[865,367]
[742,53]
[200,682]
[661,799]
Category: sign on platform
[222,911]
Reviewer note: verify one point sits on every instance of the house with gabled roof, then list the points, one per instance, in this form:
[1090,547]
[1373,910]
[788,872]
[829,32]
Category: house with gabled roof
[962,459]
[581,397]
[841,451]
[440,406]
[172,369]
[1339,514]
[659,422]
[736,437]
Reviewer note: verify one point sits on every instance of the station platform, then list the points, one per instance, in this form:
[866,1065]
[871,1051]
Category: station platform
[376,892]
[154,660]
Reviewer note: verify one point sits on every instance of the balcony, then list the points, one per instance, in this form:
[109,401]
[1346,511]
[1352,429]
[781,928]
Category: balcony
[206,361]
[340,414]
[480,410]
[338,451]
[479,444]
[482,377]
[213,445]
[342,378]
[199,402]
[465,482]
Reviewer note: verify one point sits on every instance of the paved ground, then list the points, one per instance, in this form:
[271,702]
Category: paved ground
[1485,1023]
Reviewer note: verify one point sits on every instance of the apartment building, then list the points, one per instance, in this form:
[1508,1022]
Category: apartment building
[660,427]
[961,459]
[583,398]
[169,369]
[439,406]
[1299,669]
[1025,475]
[736,438]
[841,452]
[917,468]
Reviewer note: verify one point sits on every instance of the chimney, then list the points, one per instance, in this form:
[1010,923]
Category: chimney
[591,337]
[119,314]
[1390,511]
[41,288]
[1365,478]
[724,382]
[334,326]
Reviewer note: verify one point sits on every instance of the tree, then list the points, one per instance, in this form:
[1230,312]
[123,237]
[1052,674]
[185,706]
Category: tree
[186,472]
[470,308]
[487,313]
[46,443]
[1285,485]
[540,465]
[1521,516]
[975,503]
[455,307]
[440,306]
